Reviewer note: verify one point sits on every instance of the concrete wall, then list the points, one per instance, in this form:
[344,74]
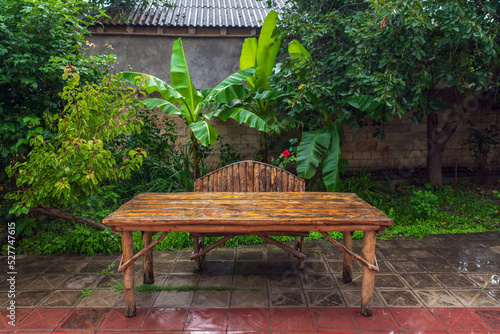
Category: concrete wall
[212,59]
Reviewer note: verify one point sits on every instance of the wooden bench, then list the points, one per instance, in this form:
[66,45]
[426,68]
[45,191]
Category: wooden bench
[248,176]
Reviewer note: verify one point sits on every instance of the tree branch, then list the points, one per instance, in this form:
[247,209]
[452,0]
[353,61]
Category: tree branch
[53,212]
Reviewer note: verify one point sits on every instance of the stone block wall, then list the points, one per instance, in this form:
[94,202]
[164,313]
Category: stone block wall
[404,147]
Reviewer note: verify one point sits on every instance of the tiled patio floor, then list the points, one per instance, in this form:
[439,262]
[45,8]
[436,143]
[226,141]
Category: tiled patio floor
[438,284]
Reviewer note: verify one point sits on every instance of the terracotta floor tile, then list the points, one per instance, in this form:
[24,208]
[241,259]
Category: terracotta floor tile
[174,299]
[381,319]
[458,319]
[247,332]
[324,298]
[291,319]
[399,298]
[491,317]
[246,281]
[84,319]
[143,300]
[61,298]
[249,267]
[475,298]
[29,298]
[438,298]
[353,298]
[254,319]
[287,298]
[421,281]
[203,332]
[333,319]
[249,298]
[16,317]
[100,298]
[416,319]
[42,319]
[207,319]
[211,298]
[116,320]
[170,319]
[46,282]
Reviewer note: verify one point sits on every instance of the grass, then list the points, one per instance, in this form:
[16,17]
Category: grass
[417,210]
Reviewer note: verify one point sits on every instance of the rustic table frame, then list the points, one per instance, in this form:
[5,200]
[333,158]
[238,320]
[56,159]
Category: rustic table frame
[259,214]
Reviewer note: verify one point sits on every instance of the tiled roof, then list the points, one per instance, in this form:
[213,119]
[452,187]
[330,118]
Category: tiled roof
[196,13]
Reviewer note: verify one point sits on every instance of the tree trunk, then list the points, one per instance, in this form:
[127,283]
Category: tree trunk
[53,212]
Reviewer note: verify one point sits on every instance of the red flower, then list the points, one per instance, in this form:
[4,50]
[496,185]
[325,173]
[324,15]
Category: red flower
[286,154]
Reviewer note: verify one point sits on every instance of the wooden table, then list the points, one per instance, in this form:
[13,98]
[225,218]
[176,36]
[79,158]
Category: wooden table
[253,214]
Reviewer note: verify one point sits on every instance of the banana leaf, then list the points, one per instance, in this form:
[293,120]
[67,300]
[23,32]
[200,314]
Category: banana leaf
[311,151]
[204,132]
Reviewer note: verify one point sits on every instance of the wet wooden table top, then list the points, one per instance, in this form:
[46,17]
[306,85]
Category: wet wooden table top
[247,212]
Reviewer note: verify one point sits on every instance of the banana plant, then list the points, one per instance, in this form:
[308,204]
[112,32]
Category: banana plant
[181,98]
[322,145]
[261,99]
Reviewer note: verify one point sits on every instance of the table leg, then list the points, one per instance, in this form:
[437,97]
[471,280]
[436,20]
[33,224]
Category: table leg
[347,267]
[369,239]
[128,277]
[147,238]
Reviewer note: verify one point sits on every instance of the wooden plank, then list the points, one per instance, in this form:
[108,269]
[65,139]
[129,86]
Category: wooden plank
[368,281]
[268,179]
[128,277]
[274,186]
[236,177]
[284,182]
[279,176]
[278,233]
[297,187]
[205,184]
[251,229]
[219,181]
[291,183]
[257,183]
[243,178]
[198,185]
[263,177]
[230,178]
[223,172]
[249,175]
[211,183]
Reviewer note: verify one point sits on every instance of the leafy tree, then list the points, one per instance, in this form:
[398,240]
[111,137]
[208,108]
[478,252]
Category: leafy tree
[76,163]
[376,60]
[181,98]
[38,39]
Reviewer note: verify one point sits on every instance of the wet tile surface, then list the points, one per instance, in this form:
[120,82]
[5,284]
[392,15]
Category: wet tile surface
[434,284]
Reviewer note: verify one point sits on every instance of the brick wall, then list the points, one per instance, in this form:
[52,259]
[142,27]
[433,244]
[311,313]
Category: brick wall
[404,147]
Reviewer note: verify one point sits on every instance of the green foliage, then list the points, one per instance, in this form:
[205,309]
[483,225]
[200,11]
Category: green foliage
[192,101]
[87,292]
[72,166]
[373,61]
[38,39]
[424,204]
[480,143]
[363,185]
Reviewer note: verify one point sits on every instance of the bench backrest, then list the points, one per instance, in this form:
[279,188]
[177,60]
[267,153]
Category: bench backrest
[250,176]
